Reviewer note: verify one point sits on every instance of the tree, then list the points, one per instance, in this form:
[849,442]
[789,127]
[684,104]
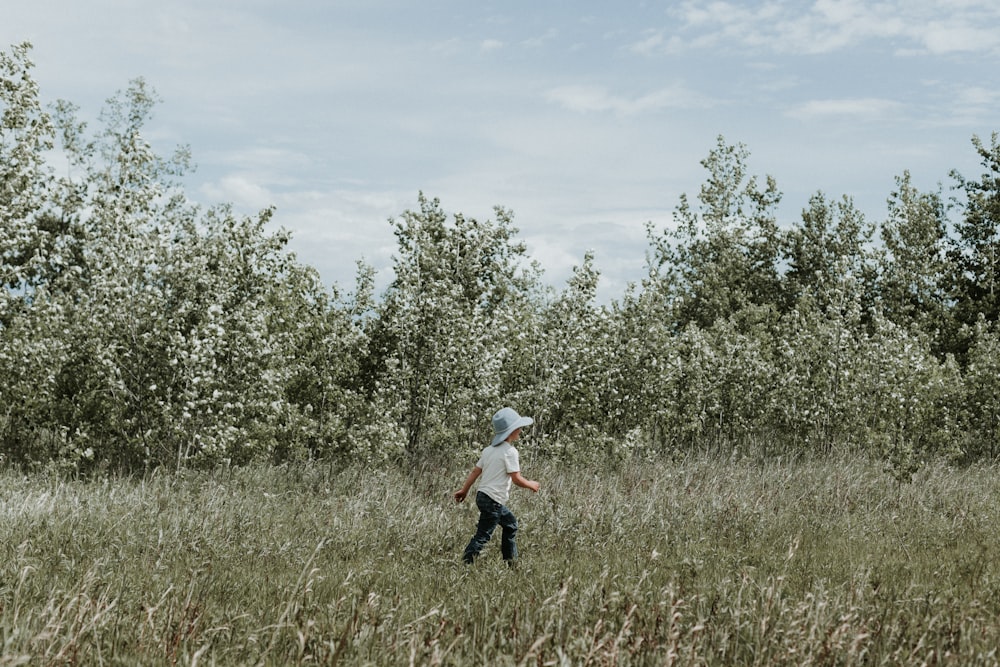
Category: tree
[30,244]
[439,344]
[577,361]
[975,252]
[26,134]
[914,265]
[722,258]
[137,329]
[331,416]
[828,256]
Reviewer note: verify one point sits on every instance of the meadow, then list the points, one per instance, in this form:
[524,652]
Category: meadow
[700,561]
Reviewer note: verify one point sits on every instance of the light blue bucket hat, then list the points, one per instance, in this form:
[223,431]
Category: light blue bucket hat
[505,421]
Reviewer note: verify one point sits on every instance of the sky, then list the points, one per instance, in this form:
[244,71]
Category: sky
[586,119]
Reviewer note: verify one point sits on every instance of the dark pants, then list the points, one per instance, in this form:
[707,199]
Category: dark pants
[491,514]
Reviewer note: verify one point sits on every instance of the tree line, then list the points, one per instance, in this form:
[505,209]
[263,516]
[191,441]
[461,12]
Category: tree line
[139,330]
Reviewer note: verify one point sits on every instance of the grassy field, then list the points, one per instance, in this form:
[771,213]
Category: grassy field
[698,562]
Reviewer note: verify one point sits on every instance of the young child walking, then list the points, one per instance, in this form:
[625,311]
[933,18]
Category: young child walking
[498,465]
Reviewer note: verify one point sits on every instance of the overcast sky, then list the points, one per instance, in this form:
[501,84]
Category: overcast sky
[587,119]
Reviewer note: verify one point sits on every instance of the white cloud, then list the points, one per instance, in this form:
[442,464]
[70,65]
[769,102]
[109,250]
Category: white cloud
[240,191]
[583,99]
[826,26]
[649,45]
[448,47]
[488,45]
[539,41]
[274,160]
[860,108]
[964,106]
[941,38]
[978,97]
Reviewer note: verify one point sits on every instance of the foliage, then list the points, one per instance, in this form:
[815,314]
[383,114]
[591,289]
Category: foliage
[828,256]
[982,387]
[914,266]
[720,259]
[139,331]
[439,340]
[975,250]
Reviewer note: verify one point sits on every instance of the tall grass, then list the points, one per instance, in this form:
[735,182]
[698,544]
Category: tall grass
[700,562]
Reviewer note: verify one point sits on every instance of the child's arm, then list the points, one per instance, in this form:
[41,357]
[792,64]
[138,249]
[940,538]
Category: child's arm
[469,481]
[524,483]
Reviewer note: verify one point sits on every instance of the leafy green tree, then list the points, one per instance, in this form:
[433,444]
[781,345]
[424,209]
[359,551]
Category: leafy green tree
[975,251]
[332,416]
[982,384]
[103,398]
[721,259]
[26,134]
[31,246]
[902,402]
[138,330]
[644,359]
[914,266]
[828,256]
[720,377]
[578,390]
[439,342]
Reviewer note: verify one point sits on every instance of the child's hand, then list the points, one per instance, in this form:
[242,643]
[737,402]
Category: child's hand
[534,486]
[460,496]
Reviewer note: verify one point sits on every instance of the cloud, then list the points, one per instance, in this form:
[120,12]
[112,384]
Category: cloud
[263,158]
[583,99]
[964,106]
[253,179]
[452,46]
[338,113]
[826,26]
[649,45]
[868,108]
[985,99]
[539,41]
[941,38]
[331,229]
[239,190]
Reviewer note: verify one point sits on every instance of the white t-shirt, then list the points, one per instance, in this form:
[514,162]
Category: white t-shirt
[497,463]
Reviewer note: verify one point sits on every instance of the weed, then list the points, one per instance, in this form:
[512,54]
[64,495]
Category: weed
[701,561]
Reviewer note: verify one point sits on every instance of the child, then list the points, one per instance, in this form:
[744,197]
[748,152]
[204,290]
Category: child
[499,466]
